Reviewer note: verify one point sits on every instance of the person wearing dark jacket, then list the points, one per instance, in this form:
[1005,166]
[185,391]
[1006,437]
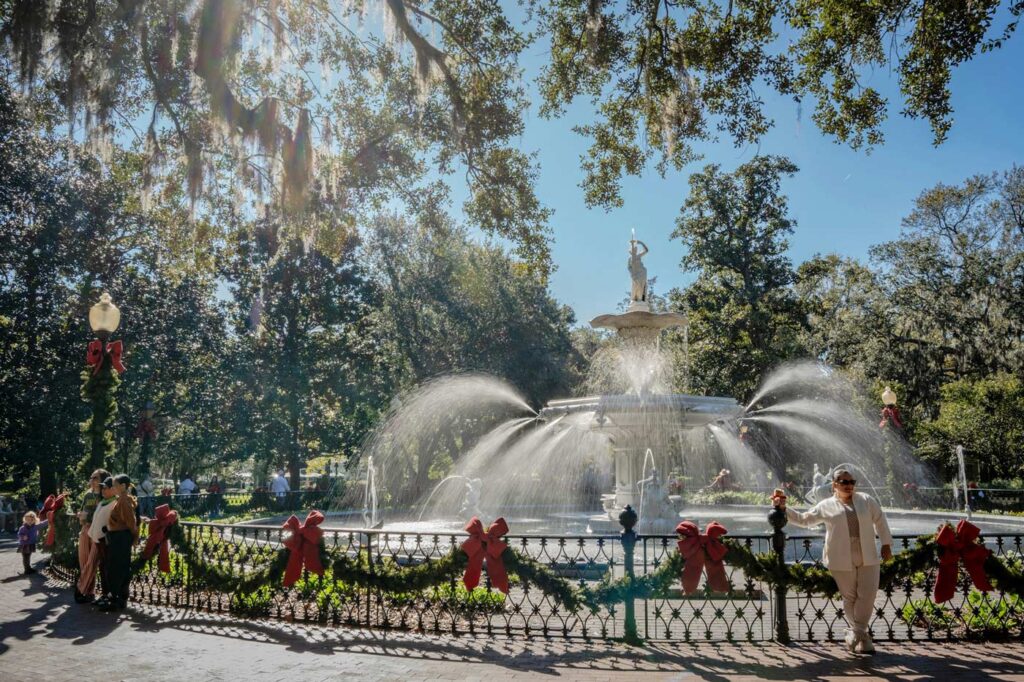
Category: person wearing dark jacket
[122,534]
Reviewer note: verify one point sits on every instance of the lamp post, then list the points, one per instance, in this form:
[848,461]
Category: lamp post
[100,381]
[146,433]
[890,412]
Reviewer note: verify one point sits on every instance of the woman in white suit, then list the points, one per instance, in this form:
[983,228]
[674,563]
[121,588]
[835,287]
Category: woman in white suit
[851,521]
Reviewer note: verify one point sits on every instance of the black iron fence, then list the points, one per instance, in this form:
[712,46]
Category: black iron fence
[751,610]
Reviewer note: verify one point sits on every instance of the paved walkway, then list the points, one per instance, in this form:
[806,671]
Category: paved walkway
[45,635]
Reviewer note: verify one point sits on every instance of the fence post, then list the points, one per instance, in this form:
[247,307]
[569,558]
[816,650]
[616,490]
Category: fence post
[628,519]
[777,518]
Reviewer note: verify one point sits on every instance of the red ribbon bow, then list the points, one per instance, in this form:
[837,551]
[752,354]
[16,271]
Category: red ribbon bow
[51,505]
[700,552]
[303,546]
[146,429]
[954,546]
[489,545]
[94,355]
[159,525]
[890,413]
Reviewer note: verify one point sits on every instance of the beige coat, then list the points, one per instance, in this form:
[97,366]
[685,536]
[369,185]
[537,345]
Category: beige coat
[837,553]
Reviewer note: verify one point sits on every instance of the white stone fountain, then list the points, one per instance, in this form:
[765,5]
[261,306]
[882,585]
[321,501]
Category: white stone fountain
[632,421]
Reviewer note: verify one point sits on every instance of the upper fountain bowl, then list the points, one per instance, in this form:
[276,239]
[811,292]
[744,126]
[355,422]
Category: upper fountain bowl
[616,410]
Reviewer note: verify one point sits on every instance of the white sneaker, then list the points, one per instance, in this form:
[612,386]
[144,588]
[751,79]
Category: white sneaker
[865,645]
[851,640]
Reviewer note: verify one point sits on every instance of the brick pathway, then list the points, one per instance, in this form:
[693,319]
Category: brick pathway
[45,635]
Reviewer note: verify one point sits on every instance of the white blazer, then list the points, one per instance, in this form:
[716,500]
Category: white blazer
[838,553]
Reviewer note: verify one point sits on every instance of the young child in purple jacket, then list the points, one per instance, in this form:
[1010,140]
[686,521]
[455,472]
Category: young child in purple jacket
[28,534]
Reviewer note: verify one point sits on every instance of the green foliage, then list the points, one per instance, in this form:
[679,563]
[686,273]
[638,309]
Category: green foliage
[986,416]
[924,613]
[253,114]
[744,317]
[729,497]
[99,390]
[664,76]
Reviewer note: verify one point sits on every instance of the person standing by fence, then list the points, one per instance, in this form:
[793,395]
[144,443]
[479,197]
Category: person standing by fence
[851,521]
[122,534]
[88,554]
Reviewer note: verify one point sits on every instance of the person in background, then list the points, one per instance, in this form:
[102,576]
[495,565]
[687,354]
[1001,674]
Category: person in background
[8,519]
[187,486]
[851,521]
[85,589]
[279,486]
[214,490]
[146,492]
[97,537]
[122,534]
[28,535]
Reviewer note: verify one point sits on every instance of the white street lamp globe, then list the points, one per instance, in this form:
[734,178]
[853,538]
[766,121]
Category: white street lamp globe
[104,317]
[888,397]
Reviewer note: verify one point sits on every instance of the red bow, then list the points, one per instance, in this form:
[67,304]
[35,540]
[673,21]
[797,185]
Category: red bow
[94,355]
[954,546]
[51,505]
[164,518]
[702,551]
[145,429]
[303,546]
[489,545]
[890,412]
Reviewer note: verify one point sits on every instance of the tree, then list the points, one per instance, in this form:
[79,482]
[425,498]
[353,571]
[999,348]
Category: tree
[986,416]
[953,284]
[296,392]
[665,74]
[448,305]
[744,317]
[286,102]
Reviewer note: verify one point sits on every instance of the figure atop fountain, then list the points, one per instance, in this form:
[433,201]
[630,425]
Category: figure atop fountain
[638,323]
[471,502]
[638,273]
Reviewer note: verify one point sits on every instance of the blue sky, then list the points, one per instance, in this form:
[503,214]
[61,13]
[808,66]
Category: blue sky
[843,201]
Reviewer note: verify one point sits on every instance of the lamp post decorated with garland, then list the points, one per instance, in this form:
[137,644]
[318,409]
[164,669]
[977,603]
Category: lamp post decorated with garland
[146,433]
[100,381]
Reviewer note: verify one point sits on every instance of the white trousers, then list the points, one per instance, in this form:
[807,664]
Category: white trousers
[858,588]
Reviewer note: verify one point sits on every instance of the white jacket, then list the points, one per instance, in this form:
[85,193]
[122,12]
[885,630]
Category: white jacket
[837,554]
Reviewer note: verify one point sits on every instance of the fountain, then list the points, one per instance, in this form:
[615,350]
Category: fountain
[469,445]
[643,417]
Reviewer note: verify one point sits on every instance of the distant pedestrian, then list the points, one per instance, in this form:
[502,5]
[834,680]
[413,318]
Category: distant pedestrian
[187,486]
[28,534]
[279,486]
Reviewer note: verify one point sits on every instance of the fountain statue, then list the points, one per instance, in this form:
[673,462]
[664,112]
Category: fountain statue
[638,273]
[471,502]
[821,486]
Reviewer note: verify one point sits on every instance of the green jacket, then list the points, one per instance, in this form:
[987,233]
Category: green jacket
[88,502]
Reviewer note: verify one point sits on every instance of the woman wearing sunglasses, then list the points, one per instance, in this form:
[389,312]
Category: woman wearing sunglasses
[851,521]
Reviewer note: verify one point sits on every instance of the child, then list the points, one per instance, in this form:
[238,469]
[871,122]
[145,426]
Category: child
[122,533]
[28,534]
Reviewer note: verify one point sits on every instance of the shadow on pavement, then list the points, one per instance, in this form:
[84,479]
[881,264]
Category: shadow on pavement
[709,661]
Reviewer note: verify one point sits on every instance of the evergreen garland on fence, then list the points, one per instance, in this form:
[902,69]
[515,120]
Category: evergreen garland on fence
[1007,575]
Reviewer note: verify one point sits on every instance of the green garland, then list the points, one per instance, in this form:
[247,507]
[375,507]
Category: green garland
[1007,575]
